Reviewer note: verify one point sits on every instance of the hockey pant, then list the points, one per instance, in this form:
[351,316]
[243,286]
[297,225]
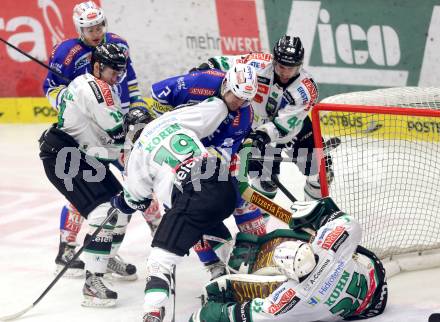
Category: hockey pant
[77,179]
[71,220]
[194,213]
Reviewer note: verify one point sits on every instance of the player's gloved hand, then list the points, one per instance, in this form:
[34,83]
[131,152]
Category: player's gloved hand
[210,64]
[212,312]
[119,202]
[259,139]
[204,66]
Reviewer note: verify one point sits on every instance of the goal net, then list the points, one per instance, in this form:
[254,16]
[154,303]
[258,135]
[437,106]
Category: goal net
[387,169]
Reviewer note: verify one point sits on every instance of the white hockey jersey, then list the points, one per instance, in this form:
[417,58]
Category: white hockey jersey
[90,112]
[164,144]
[342,283]
[277,111]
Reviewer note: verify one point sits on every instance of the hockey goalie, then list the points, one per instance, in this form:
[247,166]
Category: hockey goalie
[291,275]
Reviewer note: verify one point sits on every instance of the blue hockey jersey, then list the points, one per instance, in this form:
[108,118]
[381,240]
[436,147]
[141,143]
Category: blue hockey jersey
[72,58]
[196,87]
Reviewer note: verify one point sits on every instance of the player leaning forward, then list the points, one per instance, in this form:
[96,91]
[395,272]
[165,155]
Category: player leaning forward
[76,153]
[71,58]
[331,278]
[286,95]
[191,180]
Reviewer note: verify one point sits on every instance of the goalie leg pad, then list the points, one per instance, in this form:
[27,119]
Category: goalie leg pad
[193,214]
[97,253]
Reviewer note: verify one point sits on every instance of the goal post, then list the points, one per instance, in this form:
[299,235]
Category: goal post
[386,169]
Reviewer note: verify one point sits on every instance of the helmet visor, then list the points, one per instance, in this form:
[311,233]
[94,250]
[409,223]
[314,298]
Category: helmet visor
[111,75]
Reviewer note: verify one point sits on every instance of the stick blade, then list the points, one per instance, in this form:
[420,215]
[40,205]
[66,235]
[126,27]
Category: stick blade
[16,315]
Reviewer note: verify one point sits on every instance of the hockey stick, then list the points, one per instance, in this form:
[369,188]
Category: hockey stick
[37,61]
[111,214]
[173,291]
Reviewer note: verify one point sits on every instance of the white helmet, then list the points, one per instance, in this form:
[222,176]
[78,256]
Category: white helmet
[295,258]
[87,14]
[241,80]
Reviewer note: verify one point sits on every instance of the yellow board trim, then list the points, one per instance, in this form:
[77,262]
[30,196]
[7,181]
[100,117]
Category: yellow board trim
[26,110]
[383,126]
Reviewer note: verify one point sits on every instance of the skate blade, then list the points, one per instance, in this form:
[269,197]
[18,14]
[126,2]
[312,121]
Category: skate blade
[71,272]
[117,277]
[90,301]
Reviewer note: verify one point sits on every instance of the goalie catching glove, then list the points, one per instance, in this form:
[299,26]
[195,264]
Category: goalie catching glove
[313,214]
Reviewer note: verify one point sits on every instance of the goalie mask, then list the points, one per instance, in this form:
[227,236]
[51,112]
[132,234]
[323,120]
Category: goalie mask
[295,259]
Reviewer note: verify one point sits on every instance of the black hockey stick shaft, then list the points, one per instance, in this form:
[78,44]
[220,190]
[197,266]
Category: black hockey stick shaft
[278,183]
[286,192]
[37,61]
[111,214]
[174,294]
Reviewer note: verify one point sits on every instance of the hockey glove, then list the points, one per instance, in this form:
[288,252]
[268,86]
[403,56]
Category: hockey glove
[119,202]
[205,66]
[259,139]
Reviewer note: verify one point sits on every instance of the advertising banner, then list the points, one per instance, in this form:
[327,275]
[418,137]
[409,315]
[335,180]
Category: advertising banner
[34,26]
[349,45]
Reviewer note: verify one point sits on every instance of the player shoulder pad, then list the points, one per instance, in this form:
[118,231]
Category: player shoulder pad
[303,91]
[258,60]
[213,72]
[116,39]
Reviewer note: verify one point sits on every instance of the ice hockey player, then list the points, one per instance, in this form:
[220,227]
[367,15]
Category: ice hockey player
[286,95]
[76,153]
[192,181]
[330,278]
[196,87]
[72,58]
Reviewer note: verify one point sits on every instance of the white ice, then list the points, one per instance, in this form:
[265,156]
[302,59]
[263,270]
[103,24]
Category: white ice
[29,215]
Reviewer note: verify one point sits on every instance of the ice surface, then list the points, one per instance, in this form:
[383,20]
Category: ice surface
[29,215]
